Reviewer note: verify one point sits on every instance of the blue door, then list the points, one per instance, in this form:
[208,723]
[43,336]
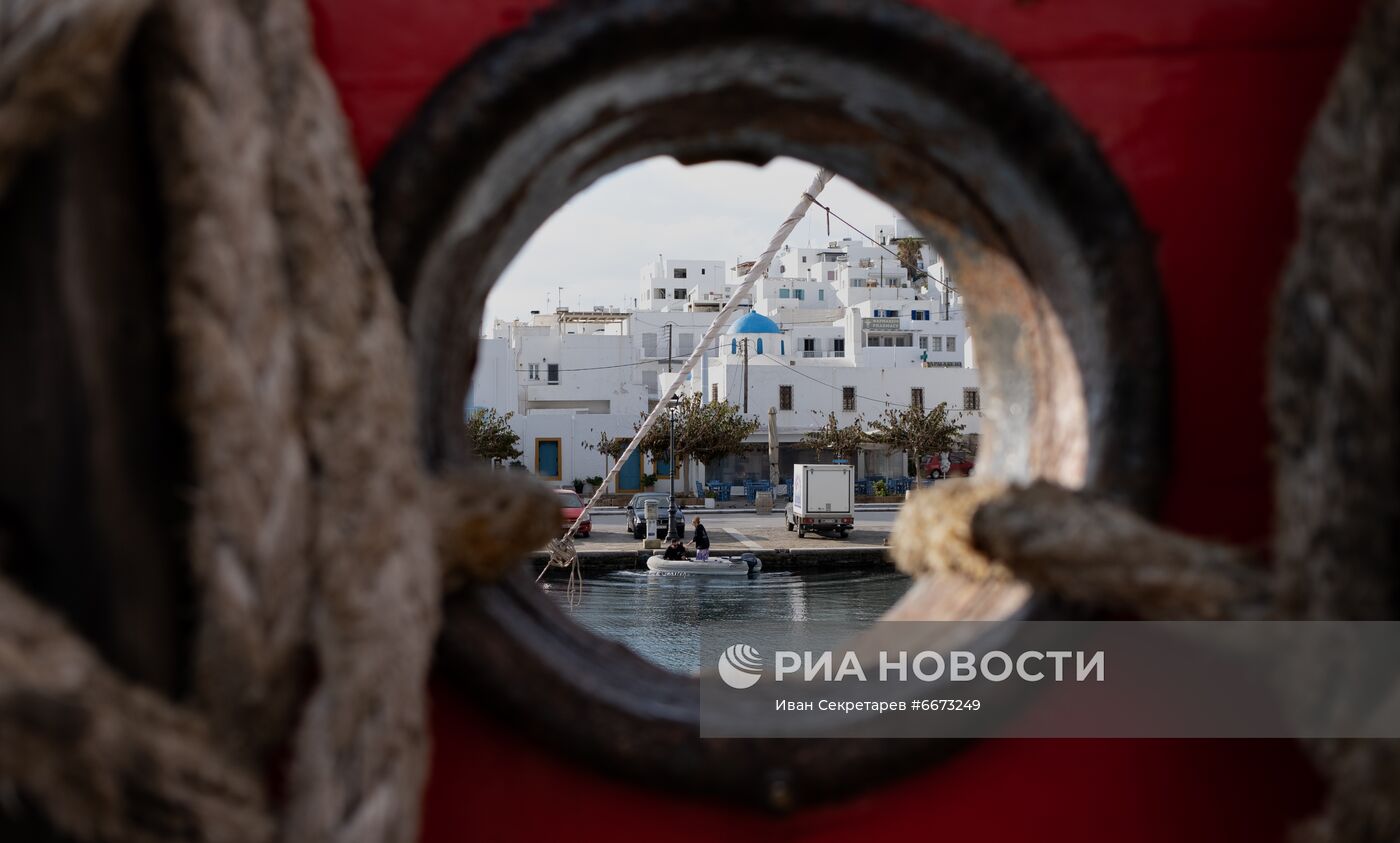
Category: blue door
[629,479]
[547,458]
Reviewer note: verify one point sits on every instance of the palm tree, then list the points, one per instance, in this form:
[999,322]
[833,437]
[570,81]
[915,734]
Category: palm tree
[910,250]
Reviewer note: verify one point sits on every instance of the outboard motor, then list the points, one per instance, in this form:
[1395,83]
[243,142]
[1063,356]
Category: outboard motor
[752,561]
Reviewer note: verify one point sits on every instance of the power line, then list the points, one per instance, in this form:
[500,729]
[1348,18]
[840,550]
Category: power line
[833,322]
[918,272]
[795,370]
[798,371]
[654,362]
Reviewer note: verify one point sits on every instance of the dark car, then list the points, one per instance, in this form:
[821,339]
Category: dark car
[959,465]
[636,515]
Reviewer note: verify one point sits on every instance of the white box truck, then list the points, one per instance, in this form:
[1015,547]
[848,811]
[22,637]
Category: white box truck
[823,500]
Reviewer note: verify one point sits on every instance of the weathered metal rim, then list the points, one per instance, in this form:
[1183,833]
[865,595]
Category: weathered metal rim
[1073,354]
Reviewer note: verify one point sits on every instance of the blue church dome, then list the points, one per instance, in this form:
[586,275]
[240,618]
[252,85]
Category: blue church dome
[754,322]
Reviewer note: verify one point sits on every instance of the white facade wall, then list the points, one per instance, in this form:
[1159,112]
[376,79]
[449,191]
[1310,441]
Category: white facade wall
[933,340]
[597,387]
[819,390]
[649,333]
[494,383]
[593,373]
[668,284]
[837,305]
[573,431]
[773,294]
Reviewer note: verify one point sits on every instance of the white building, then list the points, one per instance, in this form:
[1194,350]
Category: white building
[842,328]
[670,284]
[570,377]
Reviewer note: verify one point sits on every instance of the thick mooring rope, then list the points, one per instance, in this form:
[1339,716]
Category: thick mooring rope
[313,536]
[1334,408]
[312,543]
[57,60]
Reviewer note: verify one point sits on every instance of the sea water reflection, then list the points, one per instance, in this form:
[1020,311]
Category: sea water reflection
[660,615]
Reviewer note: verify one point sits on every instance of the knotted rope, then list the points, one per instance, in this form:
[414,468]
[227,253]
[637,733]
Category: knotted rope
[317,538]
[1335,409]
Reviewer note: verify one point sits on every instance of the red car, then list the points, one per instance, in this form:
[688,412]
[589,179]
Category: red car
[572,505]
[959,465]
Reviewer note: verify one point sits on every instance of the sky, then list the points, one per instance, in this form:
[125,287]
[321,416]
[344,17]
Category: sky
[595,246]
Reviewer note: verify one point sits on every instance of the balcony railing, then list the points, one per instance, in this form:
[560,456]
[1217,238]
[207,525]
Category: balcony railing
[823,353]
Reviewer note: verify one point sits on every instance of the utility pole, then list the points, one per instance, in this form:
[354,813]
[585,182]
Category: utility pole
[745,343]
[670,335]
[774,465]
[671,530]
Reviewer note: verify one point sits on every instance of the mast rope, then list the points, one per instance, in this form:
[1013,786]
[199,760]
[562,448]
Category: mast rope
[562,553]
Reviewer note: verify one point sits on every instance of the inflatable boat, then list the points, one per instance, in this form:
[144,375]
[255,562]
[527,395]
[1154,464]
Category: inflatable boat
[745,564]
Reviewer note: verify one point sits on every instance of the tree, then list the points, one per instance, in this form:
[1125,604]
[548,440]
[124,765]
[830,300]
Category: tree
[608,446]
[910,250]
[491,436]
[714,430]
[612,446]
[918,431]
[841,441]
[705,432]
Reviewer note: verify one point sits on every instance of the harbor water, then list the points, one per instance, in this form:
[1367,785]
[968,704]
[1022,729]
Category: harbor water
[660,615]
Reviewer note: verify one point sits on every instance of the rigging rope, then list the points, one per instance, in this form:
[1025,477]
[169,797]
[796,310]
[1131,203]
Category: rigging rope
[561,550]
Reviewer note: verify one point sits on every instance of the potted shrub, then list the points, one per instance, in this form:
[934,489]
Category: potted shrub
[592,484]
[711,497]
[649,482]
[578,486]
[880,488]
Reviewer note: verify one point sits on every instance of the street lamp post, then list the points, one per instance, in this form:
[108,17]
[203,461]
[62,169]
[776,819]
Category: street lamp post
[671,518]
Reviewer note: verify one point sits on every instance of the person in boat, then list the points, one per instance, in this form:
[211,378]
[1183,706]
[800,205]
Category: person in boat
[701,540]
[674,550]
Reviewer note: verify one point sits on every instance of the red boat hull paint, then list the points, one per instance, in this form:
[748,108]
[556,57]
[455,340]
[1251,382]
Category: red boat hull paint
[1201,107]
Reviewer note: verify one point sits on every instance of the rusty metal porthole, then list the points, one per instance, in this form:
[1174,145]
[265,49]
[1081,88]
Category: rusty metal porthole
[1057,273]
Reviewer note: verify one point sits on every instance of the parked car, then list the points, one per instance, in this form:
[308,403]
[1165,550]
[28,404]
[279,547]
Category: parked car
[959,465]
[637,516]
[571,505]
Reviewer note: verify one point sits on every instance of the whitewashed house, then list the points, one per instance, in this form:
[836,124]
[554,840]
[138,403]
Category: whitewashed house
[840,328]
